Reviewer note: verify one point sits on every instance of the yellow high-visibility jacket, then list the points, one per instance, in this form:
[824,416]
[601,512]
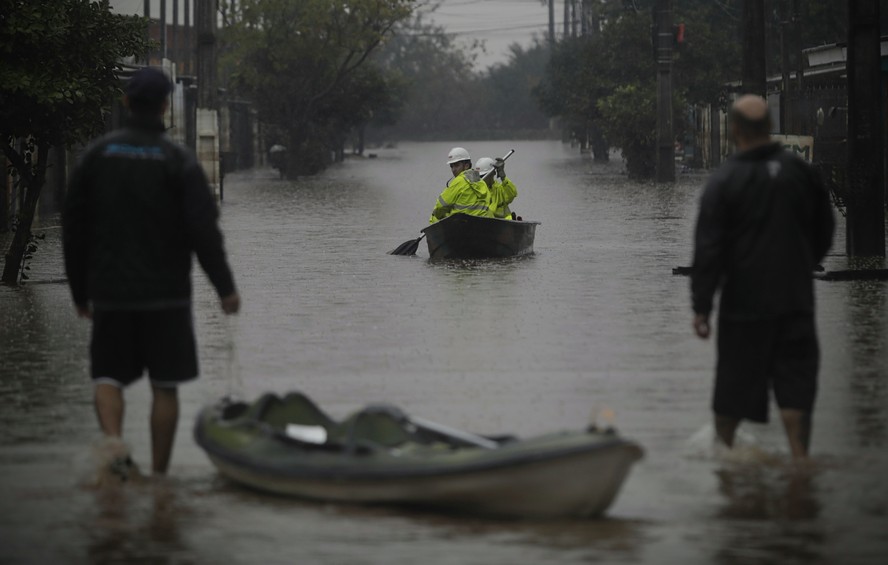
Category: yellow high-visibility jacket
[463,197]
[501,195]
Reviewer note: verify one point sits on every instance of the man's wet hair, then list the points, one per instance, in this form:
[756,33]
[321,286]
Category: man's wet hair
[147,91]
[749,128]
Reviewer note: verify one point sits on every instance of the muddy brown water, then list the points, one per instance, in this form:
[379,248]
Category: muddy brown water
[593,321]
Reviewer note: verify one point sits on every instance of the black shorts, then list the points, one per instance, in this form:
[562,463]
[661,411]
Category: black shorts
[124,343]
[754,356]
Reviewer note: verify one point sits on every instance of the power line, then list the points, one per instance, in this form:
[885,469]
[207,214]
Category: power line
[486,30]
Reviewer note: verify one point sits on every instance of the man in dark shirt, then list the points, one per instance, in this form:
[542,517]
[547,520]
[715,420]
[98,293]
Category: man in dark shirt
[765,221]
[138,207]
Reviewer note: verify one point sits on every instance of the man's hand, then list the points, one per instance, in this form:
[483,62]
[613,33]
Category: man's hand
[83,311]
[701,326]
[500,166]
[231,303]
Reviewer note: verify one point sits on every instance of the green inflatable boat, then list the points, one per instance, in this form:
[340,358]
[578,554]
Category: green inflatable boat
[379,455]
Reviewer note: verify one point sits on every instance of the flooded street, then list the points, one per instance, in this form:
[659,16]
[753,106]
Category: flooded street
[594,320]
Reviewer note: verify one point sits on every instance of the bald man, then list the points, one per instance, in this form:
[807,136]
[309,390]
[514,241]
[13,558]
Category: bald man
[764,223]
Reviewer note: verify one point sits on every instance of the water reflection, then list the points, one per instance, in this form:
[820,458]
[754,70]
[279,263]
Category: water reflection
[524,346]
[761,493]
[136,523]
[867,308]
[777,509]
[40,371]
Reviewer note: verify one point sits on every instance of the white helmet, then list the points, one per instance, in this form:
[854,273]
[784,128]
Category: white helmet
[457,154]
[485,166]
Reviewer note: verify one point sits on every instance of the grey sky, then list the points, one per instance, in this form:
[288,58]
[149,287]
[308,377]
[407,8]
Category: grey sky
[499,22]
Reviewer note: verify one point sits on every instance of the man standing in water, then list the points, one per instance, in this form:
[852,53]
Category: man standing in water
[764,223]
[138,206]
[465,193]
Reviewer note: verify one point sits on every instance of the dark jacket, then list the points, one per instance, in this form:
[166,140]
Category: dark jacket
[765,222]
[137,206]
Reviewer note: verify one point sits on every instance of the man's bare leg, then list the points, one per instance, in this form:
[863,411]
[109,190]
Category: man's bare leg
[109,405]
[725,428]
[798,431]
[164,418]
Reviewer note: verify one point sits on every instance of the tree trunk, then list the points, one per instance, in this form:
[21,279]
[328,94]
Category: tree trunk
[4,204]
[600,146]
[13,265]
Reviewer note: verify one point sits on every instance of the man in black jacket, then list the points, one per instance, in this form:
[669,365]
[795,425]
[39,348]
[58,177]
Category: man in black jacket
[137,207]
[765,221]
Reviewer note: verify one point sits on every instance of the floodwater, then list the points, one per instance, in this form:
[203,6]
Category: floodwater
[594,321]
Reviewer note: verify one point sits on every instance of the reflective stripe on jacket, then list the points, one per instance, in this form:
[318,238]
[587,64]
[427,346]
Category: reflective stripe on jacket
[501,195]
[463,197]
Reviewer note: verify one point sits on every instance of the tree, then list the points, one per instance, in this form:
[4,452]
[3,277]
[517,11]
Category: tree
[571,91]
[441,89]
[508,99]
[289,56]
[608,79]
[368,94]
[57,83]
[446,98]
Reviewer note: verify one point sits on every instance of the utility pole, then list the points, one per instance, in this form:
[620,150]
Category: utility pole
[785,104]
[665,138]
[551,24]
[146,11]
[163,30]
[754,81]
[865,203]
[205,20]
[189,47]
[584,21]
[566,19]
[207,133]
[174,39]
[797,46]
[573,18]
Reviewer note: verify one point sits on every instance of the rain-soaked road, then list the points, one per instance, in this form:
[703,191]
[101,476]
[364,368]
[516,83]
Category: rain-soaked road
[594,319]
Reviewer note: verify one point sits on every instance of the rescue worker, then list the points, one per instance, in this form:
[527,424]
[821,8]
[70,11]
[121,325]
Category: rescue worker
[502,190]
[465,193]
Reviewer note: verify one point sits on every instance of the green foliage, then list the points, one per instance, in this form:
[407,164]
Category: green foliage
[608,79]
[508,88]
[440,86]
[60,58]
[299,62]
[57,83]
[446,98]
[629,122]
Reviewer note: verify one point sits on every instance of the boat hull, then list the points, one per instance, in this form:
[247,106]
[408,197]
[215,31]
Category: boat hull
[580,485]
[565,474]
[461,236]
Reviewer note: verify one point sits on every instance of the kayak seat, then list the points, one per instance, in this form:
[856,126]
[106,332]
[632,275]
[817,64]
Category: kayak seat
[380,425]
[234,410]
[294,408]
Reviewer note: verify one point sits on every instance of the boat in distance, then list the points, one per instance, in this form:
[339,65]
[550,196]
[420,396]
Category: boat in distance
[379,455]
[462,236]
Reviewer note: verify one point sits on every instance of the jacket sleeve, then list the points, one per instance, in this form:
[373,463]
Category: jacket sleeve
[202,221]
[75,244]
[444,203]
[709,246]
[509,193]
[824,221]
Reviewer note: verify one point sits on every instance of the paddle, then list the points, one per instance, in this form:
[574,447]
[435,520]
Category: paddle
[464,438]
[409,247]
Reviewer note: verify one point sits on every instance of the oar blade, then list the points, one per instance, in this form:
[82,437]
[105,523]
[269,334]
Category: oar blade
[407,248]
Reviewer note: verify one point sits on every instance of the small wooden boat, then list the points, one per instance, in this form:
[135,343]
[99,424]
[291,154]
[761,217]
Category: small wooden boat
[461,236]
[379,455]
